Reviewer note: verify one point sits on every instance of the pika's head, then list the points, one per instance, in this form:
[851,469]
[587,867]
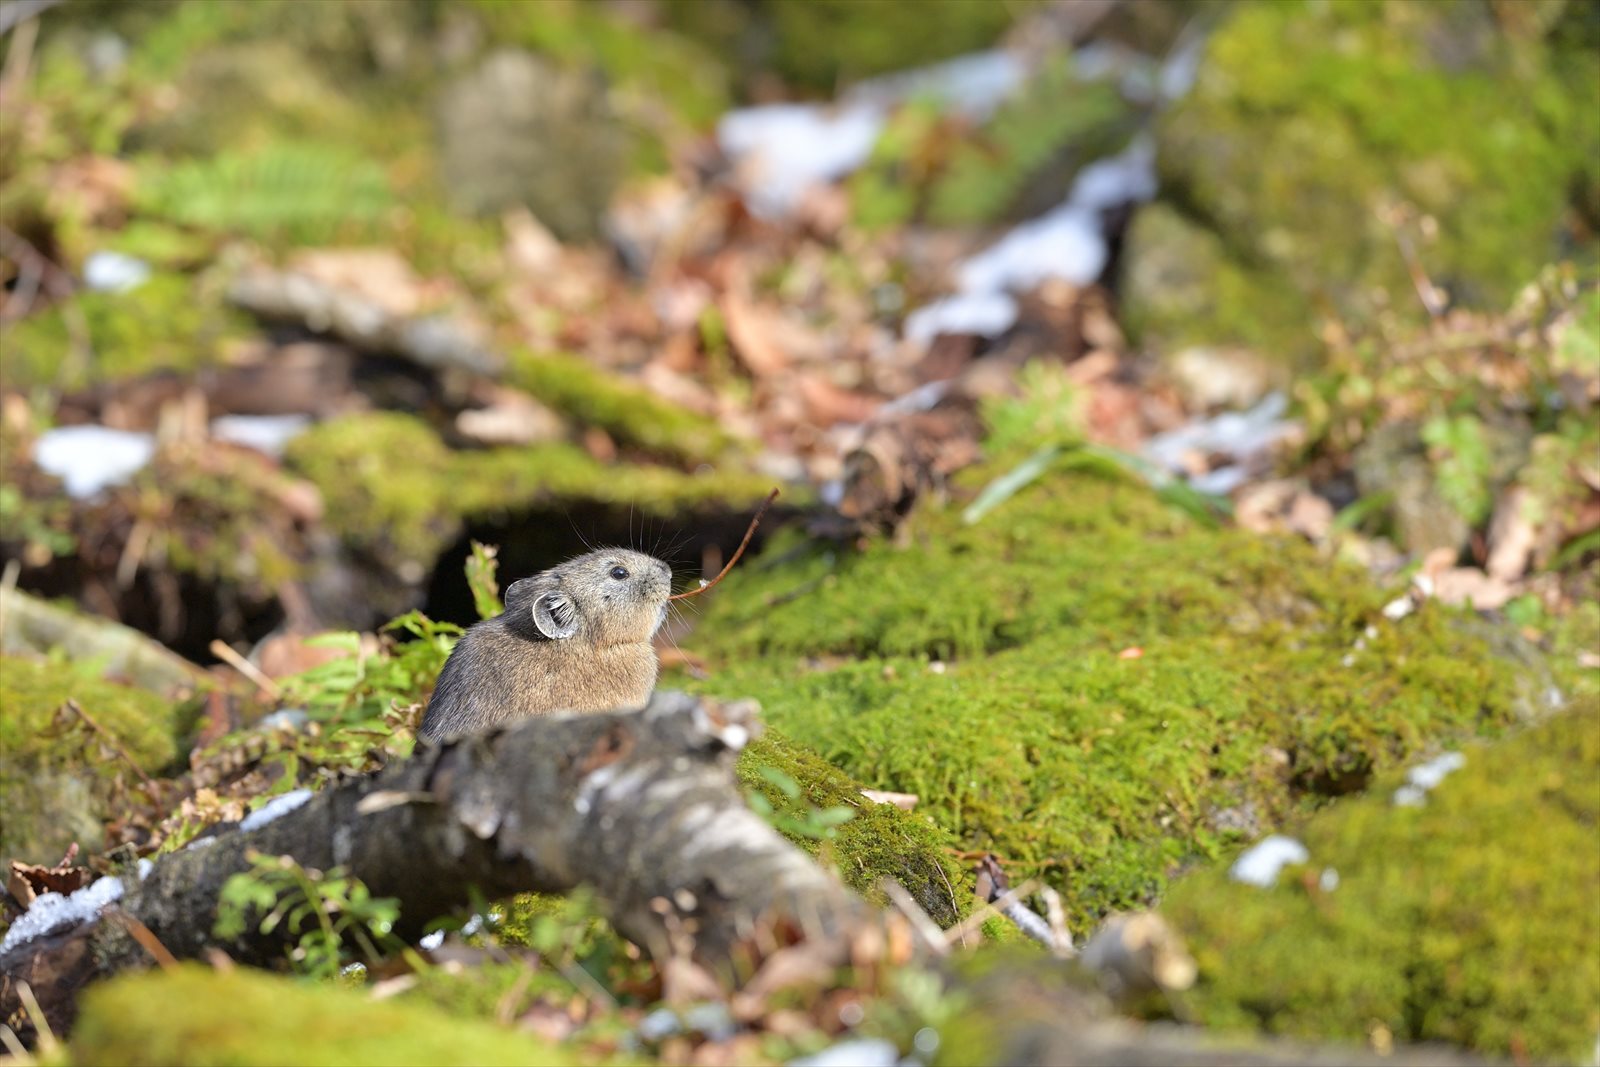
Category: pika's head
[610,597]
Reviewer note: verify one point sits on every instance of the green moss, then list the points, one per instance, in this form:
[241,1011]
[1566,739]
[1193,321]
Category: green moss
[1310,123]
[821,42]
[630,413]
[1470,919]
[49,797]
[386,480]
[1033,737]
[171,322]
[880,841]
[393,488]
[194,1015]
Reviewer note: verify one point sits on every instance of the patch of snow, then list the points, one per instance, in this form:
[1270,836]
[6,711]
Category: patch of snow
[264,433]
[52,911]
[432,941]
[711,1019]
[1329,880]
[1115,180]
[984,314]
[145,867]
[1240,438]
[274,809]
[1260,863]
[283,719]
[659,1024]
[781,150]
[114,272]
[1066,243]
[1221,481]
[863,1052]
[88,459]
[1423,778]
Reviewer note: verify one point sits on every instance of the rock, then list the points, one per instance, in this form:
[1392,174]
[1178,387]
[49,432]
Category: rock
[1323,145]
[50,796]
[518,131]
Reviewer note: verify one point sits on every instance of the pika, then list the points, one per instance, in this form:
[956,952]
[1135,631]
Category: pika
[573,638]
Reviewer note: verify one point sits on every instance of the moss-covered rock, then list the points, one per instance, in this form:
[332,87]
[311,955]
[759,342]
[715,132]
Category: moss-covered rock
[394,489]
[171,322]
[50,796]
[818,43]
[194,1015]
[629,412]
[1094,685]
[1322,141]
[1473,918]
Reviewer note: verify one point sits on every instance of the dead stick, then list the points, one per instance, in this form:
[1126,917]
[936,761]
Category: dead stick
[255,674]
[754,522]
[147,940]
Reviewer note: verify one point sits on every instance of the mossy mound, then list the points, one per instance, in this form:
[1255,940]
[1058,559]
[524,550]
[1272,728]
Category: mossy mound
[171,322]
[1323,142]
[395,489]
[193,1015]
[49,796]
[879,841]
[818,43]
[1472,919]
[629,412]
[985,669]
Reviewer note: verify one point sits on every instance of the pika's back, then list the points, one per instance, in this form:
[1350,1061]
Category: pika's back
[576,637]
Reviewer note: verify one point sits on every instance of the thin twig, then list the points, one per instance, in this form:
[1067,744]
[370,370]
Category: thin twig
[47,1037]
[986,912]
[220,650]
[14,1046]
[948,888]
[110,739]
[147,940]
[754,522]
[936,939]
[1057,915]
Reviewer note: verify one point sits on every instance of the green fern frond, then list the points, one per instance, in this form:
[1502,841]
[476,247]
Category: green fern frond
[293,192]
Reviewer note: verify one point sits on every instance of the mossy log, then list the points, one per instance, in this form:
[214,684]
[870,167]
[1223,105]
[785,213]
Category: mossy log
[642,806]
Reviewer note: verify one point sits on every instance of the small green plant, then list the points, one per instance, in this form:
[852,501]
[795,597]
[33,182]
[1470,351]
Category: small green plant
[796,818]
[481,567]
[1048,410]
[334,917]
[289,191]
[366,684]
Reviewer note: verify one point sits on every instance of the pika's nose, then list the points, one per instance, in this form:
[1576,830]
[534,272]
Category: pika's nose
[666,571]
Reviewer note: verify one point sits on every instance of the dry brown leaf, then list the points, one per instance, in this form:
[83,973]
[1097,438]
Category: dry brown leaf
[1512,536]
[755,338]
[828,405]
[1468,585]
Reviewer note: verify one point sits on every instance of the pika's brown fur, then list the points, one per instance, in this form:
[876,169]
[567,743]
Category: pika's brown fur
[572,638]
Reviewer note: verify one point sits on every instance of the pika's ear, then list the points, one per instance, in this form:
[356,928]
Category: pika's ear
[555,616]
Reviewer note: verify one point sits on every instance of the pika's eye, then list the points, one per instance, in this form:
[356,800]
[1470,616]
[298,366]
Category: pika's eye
[619,573]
